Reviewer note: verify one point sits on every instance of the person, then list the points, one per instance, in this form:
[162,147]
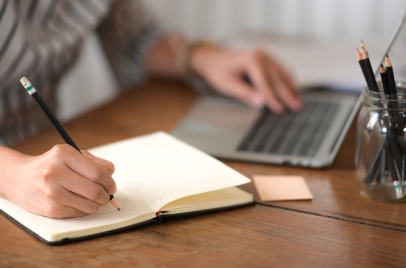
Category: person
[41,39]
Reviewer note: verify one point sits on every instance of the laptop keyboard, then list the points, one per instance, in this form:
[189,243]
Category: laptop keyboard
[295,134]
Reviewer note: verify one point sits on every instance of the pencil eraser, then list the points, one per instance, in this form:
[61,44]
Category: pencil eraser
[24,80]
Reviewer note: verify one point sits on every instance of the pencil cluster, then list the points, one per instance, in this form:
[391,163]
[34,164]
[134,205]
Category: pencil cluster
[388,165]
[386,72]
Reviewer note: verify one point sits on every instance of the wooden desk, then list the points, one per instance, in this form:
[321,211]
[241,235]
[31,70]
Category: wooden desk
[337,228]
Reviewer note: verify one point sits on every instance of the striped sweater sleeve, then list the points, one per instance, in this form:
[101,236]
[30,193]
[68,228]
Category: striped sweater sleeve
[126,35]
[40,39]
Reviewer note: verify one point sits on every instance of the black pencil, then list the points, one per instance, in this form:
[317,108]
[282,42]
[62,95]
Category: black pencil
[362,65]
[368,69]
[391,77]
[384,78]
[33,92]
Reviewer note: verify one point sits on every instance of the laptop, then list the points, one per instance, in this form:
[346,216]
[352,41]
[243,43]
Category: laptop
[229,129]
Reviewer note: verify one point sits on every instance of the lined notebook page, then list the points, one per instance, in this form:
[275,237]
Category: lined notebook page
[158,169]
[107,218]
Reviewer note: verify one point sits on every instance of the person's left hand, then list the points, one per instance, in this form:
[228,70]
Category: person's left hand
[225,70]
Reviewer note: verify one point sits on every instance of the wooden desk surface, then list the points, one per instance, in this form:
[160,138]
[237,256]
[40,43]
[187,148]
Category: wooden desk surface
[337,228]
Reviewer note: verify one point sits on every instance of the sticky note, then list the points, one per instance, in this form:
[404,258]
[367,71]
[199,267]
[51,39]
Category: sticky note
[278,188]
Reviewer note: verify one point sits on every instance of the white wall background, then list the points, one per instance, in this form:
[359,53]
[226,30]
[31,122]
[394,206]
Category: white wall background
[218,18]
[91,83]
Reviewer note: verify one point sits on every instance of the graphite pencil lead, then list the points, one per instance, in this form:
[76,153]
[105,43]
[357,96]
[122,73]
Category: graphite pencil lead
[382,69]
[114,203]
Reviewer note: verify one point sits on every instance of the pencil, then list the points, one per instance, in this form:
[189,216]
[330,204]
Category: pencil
[33,92]
[368,69]
[363,45]
[384,79]
[362,65]
[391,77]
[367,76]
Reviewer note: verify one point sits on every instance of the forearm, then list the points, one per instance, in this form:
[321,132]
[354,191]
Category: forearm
[172,55]
[163,57]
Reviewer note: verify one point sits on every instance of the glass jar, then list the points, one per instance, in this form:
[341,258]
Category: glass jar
[380,156]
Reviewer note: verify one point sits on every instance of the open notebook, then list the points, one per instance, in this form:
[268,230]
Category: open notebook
[154,174]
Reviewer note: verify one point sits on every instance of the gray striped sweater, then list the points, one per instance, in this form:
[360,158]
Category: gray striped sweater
[41,39]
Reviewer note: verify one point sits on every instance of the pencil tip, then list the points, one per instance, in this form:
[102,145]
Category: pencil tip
[119,209]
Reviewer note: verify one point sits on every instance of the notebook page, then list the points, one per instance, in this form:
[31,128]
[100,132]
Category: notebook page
[107,218]
[214,199]
[157,169]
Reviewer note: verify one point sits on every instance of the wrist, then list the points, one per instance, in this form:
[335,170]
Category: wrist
[194,62]
[9,168]
[201,57]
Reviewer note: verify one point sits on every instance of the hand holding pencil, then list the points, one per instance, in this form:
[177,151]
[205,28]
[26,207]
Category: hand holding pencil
[60,183]
[65,181]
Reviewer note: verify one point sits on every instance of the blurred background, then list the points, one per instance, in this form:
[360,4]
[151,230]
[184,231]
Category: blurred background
[218,19]
[374,21]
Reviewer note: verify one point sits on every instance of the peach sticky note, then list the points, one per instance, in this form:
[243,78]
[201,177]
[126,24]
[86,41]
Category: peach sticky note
[277,188]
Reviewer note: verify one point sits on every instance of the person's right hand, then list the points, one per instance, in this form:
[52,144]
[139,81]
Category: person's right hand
[229,71]
[62,183]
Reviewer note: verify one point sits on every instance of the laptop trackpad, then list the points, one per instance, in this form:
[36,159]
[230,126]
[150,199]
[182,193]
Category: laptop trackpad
[216,124]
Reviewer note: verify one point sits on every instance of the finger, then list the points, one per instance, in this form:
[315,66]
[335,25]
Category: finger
[85,167]
[67,212]
[71,213]
[287,94]
[81,187]
[286,89]
[289,80]
[77,202]
[107,165]
[241,90]
[49,206]
[59,211]
[259,78]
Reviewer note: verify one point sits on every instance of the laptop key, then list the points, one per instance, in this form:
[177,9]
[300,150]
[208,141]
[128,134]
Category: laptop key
[296,134]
